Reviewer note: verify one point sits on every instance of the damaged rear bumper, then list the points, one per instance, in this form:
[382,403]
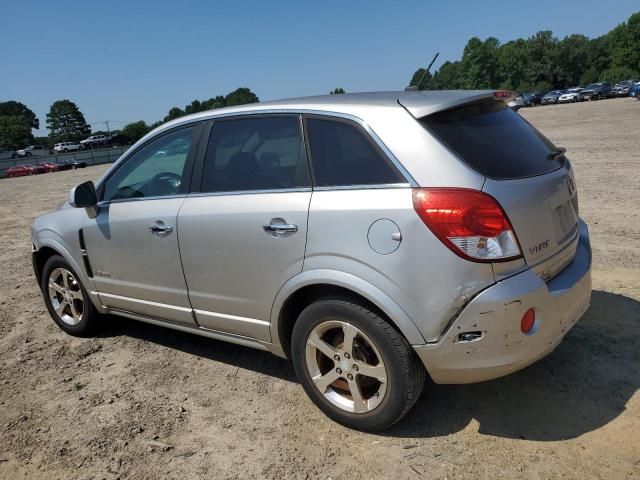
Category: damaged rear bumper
[486,342]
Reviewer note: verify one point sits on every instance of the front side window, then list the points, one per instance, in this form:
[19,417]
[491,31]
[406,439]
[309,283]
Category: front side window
[157,169]
[262,153]
[342,155]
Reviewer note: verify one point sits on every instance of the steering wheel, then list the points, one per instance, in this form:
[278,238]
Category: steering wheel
[164,183]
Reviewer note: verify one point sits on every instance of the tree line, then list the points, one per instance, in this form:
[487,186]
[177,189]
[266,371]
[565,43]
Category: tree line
[66,123]
[541,62]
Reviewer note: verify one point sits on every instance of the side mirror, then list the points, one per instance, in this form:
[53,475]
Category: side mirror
[83,195]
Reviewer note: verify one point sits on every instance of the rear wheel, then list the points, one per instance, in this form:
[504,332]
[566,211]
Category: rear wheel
[354,365]
[66,299]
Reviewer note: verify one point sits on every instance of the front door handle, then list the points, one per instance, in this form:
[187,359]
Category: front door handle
[280,228]
[160,227]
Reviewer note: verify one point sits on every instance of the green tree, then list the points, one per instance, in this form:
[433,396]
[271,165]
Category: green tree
[16,122]
[589,76]
[240,96]
[337,91]
[478,67]
[15,132]
[66,122]
[136,130]
[13,108]
[541,61]
[616,74]
[571,60]
[174,113]
[448,76]
[511,64]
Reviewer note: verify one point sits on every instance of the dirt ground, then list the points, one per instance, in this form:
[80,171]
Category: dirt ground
[143,402]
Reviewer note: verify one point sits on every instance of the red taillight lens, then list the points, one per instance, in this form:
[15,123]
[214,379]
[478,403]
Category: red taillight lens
[471,223]
[528,320]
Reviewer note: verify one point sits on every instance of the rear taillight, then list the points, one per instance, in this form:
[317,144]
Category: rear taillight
[502,94]
[471,223]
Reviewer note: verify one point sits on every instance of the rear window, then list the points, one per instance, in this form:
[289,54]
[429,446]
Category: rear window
[342,155]
[493,140]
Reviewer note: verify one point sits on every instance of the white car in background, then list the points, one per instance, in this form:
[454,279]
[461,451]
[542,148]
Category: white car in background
[571,95]
[65,147]
[32,151]
[94,140]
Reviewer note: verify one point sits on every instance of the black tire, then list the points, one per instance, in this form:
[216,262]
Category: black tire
[90,315]
[405,372]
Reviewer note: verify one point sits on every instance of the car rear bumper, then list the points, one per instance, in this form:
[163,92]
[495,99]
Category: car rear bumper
[494,315]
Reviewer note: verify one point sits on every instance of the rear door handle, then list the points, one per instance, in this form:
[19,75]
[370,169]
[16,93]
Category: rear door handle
[280,228]
[160,227]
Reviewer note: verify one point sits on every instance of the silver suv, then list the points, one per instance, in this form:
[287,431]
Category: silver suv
[373,239]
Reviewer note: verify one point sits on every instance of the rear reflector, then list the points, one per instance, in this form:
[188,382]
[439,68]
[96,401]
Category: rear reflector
[471,223]
[528,320]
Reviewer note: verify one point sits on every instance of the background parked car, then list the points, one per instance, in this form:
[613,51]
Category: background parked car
[65,147]
[50,166]
[622,89]
[71,164]
[530,99]
[571,95]
[38,169]
[516,104]
[20,171]
[95,140]
[32,151]
[596,91]
[635,91]
[552,97]
[6,154]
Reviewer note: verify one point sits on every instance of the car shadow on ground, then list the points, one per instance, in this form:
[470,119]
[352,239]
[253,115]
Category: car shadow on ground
[218,351]
[583,385]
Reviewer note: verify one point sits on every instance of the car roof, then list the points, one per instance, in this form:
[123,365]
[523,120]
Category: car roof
[418,103]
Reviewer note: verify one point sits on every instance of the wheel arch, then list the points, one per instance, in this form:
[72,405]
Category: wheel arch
[307,287]
[45,249]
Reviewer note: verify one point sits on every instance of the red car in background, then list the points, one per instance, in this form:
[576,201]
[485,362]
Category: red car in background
[37,169]
[20,171]
[50,166]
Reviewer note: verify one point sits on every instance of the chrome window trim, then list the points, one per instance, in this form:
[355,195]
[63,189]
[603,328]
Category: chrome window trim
[105,203]
[275,111]
[375,186]
[249,192]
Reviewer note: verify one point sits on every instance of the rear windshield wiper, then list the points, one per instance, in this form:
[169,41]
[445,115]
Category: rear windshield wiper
[556,153]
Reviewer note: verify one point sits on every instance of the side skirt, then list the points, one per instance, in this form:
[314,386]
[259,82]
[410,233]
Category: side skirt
[204,332]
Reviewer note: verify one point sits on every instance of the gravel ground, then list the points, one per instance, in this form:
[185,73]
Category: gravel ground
[143,402]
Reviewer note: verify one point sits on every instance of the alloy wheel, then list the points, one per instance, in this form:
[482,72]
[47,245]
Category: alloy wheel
[346,367]
[66,296]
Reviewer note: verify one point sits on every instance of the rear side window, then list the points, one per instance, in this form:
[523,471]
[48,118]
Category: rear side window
[263,153]
[341,155]
[493,140]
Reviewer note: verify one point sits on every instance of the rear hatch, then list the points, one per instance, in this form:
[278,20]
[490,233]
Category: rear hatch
[525,172]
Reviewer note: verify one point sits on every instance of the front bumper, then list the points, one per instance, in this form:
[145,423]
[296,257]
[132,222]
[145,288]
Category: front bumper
[494,316]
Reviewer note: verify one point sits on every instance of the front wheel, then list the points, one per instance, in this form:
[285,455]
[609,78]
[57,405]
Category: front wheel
[354,365]
[66,299]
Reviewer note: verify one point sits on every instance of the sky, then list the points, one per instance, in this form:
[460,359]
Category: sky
[132,60]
